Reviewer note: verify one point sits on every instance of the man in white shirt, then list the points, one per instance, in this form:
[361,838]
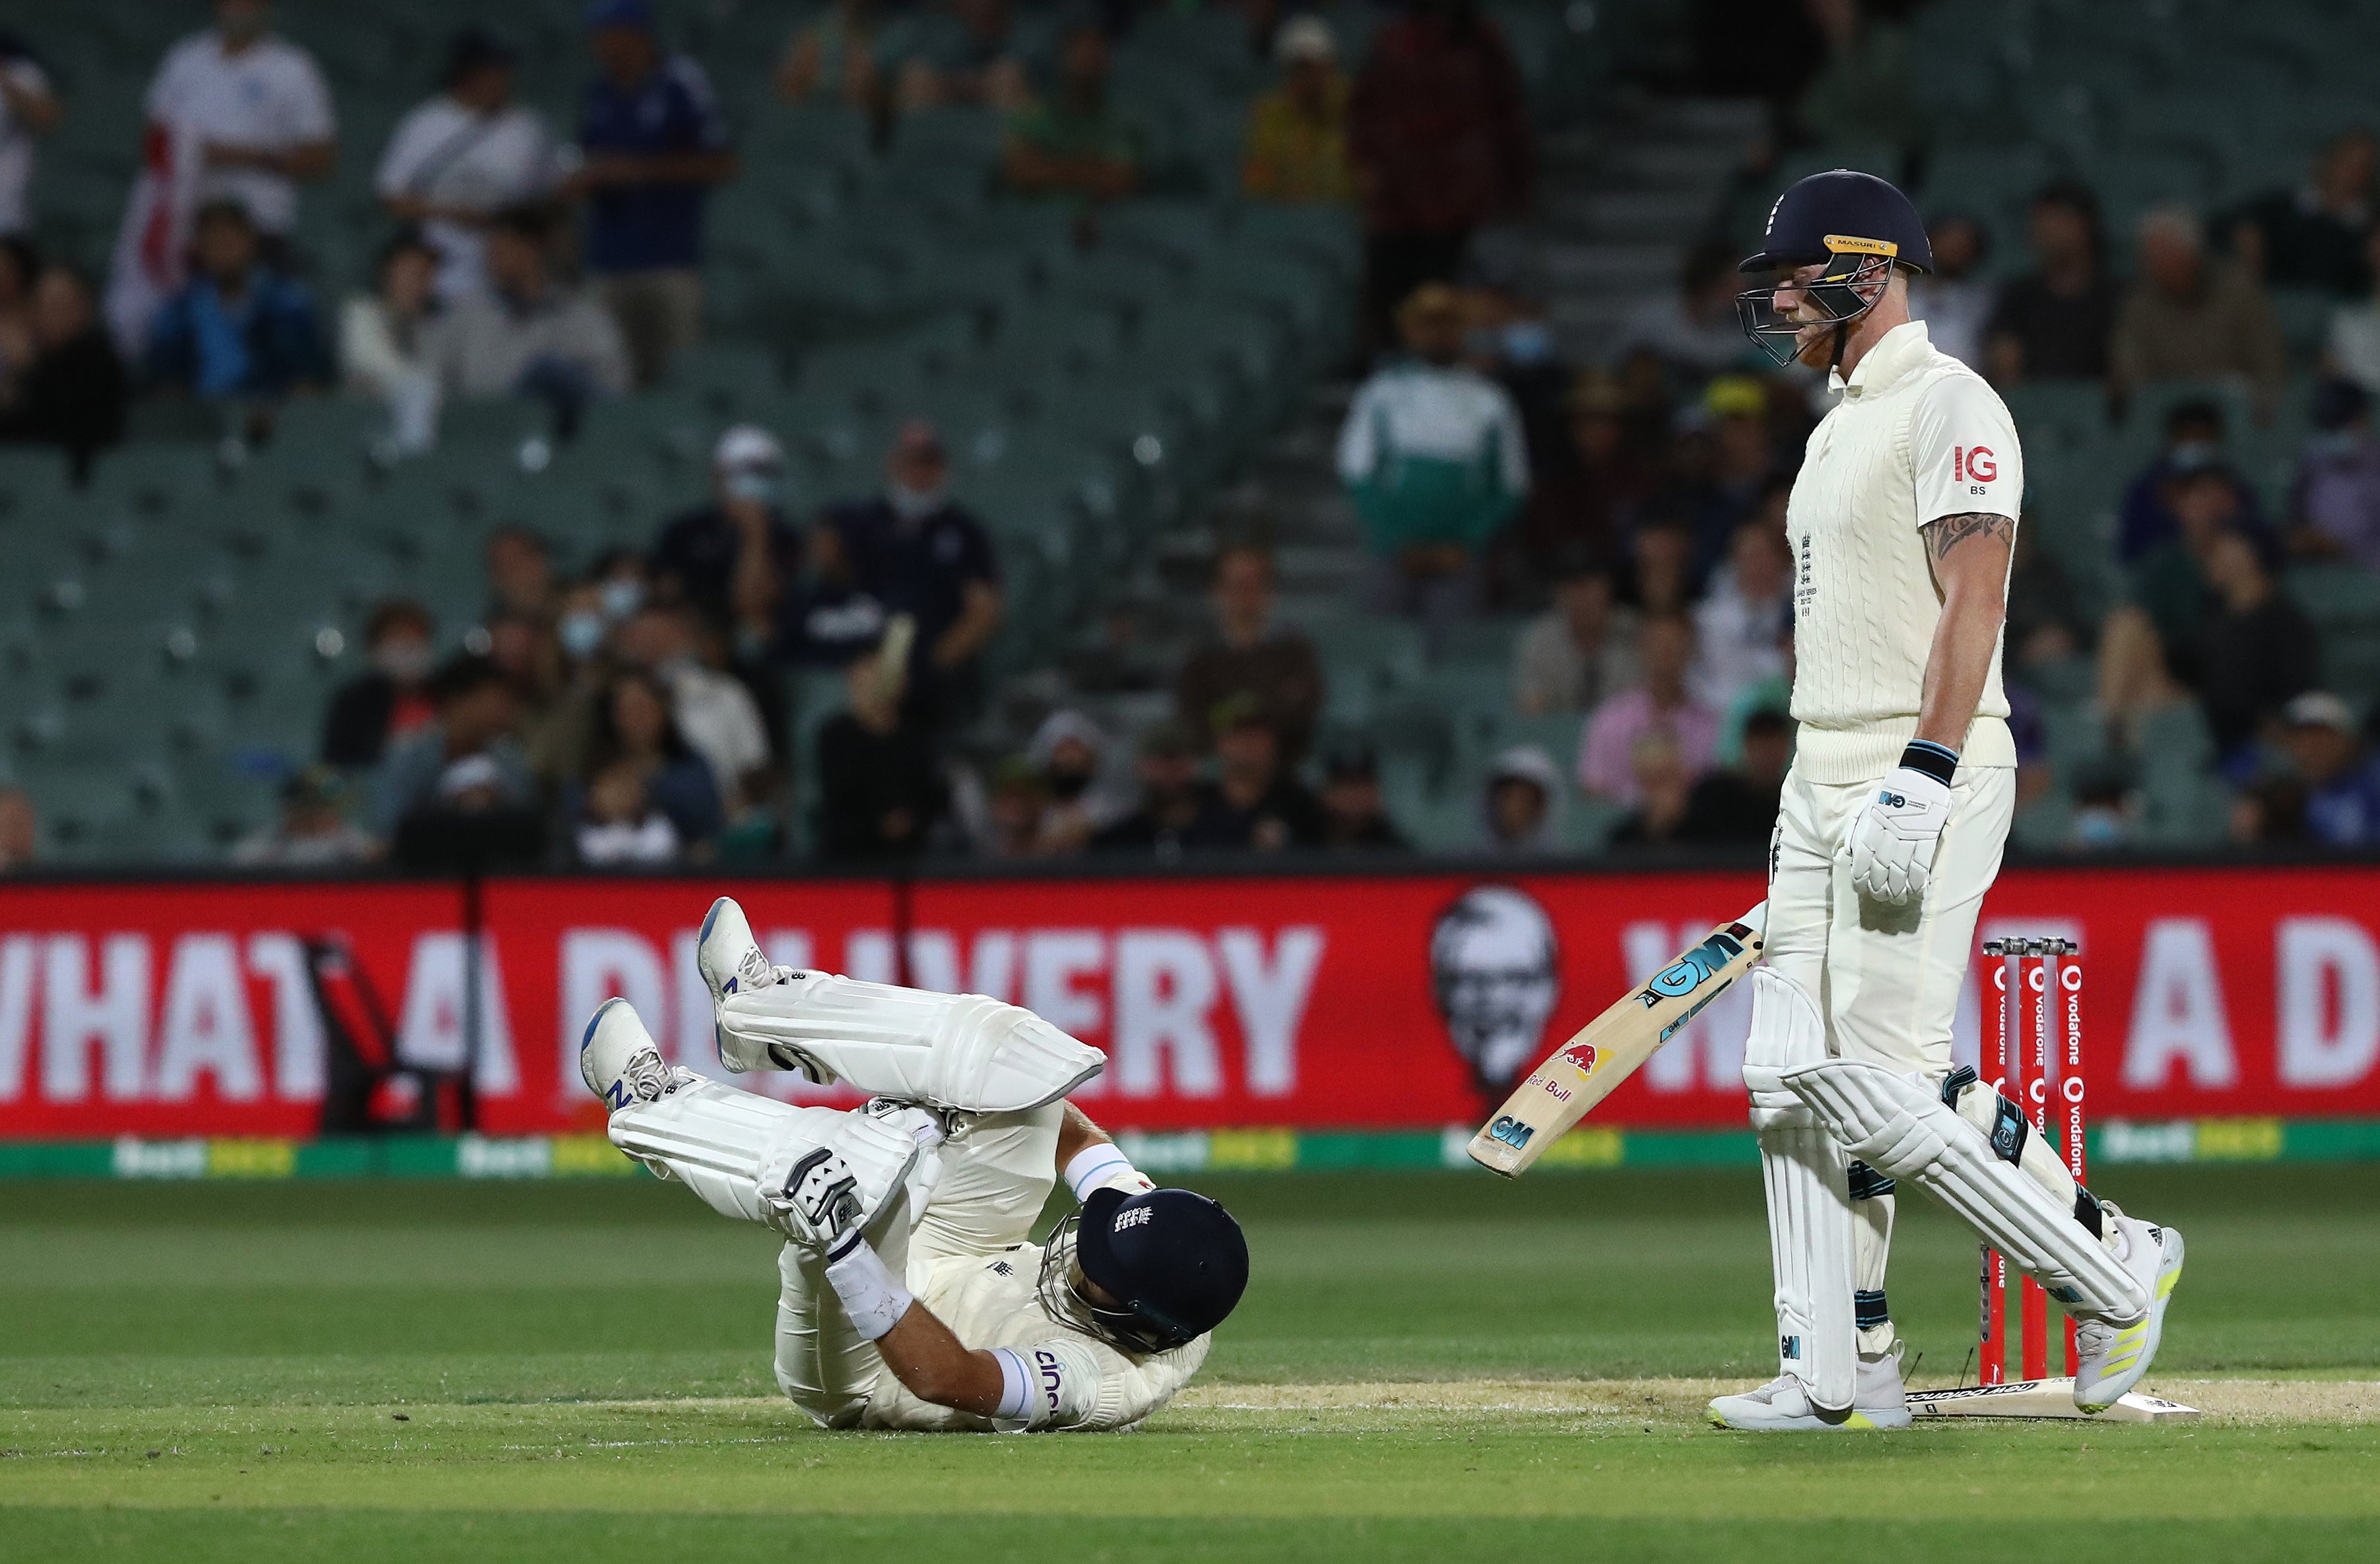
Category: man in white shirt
[28,110]
[1901,522]
[461,157]
[911,1294]
[233,113]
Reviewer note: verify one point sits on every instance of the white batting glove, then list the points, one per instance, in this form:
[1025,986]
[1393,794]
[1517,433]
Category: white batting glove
[1892,842]
[820,1206]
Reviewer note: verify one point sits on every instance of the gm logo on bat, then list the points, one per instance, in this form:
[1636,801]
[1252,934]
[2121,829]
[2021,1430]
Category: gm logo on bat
[1511,1131]
[1692,970]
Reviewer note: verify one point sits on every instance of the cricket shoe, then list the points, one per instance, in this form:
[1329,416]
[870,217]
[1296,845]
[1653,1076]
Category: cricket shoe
[1782,1406]
[731,961]
[618,1062]
[2112,1359]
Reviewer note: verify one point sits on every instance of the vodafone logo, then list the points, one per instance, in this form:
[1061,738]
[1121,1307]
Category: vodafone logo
[1974,462]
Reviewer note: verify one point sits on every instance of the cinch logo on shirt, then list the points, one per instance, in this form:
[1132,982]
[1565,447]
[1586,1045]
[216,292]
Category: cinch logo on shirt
[1973,461]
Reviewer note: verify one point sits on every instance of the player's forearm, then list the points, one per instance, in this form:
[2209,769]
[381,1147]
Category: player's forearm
[1970,555]
[1077,1133]
[935,1367]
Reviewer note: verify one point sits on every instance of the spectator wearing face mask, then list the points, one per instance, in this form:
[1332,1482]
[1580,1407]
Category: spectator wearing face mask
[914,549]
[730,559]
[719,718]
[390,701]
[2194,444]
[1520,803]
[2335,502]
[1068,750]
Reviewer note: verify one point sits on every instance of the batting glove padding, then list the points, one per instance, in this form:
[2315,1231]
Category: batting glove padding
[1892,842]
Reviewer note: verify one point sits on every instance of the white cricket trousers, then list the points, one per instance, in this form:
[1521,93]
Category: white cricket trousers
[1887,979]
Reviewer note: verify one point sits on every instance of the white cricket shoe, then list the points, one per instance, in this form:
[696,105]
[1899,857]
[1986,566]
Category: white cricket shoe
[2112,1359]
[731,961]
[1782,1406]
[618,1062]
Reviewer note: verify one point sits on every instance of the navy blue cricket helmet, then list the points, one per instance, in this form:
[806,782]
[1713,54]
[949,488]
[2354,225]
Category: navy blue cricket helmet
[1855,225]
[1175,1260]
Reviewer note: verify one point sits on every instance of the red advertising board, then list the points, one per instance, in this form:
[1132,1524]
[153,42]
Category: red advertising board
[1312,1003]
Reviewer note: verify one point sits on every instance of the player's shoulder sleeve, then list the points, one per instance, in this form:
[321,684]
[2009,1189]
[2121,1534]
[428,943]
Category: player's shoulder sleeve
[1962,450]
[1085,1386]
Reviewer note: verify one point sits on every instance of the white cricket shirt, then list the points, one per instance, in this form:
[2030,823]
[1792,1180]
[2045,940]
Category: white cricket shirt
[269,94]
[1917,436]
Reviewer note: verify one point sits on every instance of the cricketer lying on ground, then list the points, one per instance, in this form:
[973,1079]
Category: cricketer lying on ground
[926,1201]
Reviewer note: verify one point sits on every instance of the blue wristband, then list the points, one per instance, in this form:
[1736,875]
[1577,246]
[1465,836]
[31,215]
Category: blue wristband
[1931,759]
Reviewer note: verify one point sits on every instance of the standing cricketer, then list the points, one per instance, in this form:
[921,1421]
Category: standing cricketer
[910,1295]
[1902,522]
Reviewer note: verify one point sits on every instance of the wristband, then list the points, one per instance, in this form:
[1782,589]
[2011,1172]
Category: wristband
[874,1300]
[1015,1386]
[1094,1165]
[1929,759]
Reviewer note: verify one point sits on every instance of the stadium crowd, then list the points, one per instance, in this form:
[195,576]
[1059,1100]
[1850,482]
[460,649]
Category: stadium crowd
[1631,503]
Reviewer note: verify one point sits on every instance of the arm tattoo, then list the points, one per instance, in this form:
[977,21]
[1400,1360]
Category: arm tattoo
[1945,533]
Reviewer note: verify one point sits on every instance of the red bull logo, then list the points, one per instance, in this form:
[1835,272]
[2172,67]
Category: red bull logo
[1579,1056]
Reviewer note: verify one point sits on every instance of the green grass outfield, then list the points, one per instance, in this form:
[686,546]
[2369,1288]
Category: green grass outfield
[1425,1364]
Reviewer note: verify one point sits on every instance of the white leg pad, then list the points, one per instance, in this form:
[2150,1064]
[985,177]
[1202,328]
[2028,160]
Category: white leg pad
[737,1150]
[960,1051]
[1808,1182]
[1895,1124]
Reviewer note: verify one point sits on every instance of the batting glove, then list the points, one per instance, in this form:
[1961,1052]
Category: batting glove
[1892,842]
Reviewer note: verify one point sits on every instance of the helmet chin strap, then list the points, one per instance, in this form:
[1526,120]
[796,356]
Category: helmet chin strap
[1842,335]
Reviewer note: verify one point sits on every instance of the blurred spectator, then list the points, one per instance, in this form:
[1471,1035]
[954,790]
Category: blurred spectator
[1168,774]
[1014,804]
[618,823]
[1864,92]
[1253,804]
[881,793]
[71,392]
[2258,649]
[21,831]
[234,114]
[426,770]
[2194,444]
[914,549]
[381,339]
[313,830]
[374,709]
[655,143]
[1520,802]
[1747,612]
[2046,621]
[1955,304]
[2351,346]
[636,727]
[712,708]
[1296,142]
[29,110]
[2190,318]
[519,569]
[1727,463]
[2169,582]
[1662,785]
[1739,802]
[2314,236]
[1581,649]
[528,335]
[458,159]
[731,560]
[622,582]
[2055,321]
[1250,652]
[966,53]
[1074,143]
[2334,500]
[1663,703]
[1067,751]
[557,745]
[1439,139]
[2341,781]
[1353,814]
[524,649]
[2107,813]
[238,330]
[20,271]
[1433,457]
[1662,560]
[1577,491]
[1694,328]
[838,56]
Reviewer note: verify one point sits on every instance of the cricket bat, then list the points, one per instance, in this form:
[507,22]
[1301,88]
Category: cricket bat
[1606,1050]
